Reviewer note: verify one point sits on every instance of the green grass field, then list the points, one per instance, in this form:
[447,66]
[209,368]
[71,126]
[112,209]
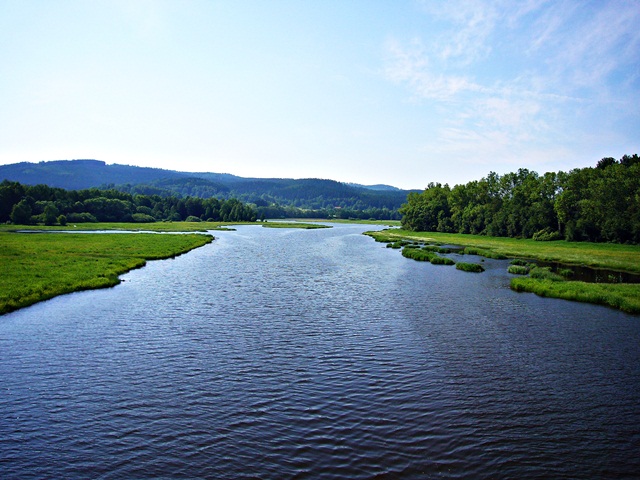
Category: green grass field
[129,227]
[625,258]
[37,267]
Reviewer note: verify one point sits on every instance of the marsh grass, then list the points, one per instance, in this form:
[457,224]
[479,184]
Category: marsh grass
[545,273]
[426,256]
[625,258]
[437,249]
[398,244]
[482,252]
[625,297]
[37,267]
[518,269]
[470,267]
[610,256]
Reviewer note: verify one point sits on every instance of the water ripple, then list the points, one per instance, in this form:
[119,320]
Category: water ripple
[277,354]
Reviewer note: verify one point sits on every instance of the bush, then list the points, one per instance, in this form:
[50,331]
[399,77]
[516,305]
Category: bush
[470,267]
[192,218]
[142,218]
[83,217]
[547,235]
[62,220]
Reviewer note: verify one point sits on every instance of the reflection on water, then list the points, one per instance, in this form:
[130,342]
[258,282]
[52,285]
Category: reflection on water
[319,353]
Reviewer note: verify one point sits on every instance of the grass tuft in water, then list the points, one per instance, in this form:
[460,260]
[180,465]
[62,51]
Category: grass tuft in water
[423,255]
[518,269]
[623,296]
[470,267]
[483,253]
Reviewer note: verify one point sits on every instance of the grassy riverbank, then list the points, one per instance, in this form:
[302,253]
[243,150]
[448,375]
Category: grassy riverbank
[129,227]
[37,267]
[157,226]
[624,258]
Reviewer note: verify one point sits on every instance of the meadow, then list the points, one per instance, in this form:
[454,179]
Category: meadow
[39,266]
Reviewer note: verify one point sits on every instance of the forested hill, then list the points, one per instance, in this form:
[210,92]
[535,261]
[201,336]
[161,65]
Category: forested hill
[275,197]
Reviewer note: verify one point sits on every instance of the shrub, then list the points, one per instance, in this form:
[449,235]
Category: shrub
[470,267]
[547,235]
[192,218]
[142,218]
[83,217]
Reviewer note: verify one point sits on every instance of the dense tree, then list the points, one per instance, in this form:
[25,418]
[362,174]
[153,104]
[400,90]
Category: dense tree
[594,204]
[22,204]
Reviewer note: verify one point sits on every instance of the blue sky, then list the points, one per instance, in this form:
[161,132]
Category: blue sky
[401,92]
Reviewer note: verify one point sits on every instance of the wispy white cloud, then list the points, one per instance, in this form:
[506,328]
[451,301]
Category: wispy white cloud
[513,74]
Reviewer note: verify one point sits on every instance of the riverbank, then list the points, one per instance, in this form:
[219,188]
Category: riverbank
[624,258]
[196,227]
[38,267]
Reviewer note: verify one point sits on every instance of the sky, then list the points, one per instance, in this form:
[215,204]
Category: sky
[396,92]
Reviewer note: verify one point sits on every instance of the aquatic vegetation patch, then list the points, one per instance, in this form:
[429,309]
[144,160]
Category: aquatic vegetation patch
[470,267]
[398,244]
[426,256]
[617,257]
[518,269]
[566,273]
[437,249]
[625,297]
[483,253]
[545,273]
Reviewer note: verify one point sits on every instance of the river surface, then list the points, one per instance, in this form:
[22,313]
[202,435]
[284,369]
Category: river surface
[281,354]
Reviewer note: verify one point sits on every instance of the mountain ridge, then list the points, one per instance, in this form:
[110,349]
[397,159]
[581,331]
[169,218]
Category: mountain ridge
[303,194]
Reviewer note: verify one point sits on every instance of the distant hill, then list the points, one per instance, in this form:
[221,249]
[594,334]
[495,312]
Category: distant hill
[306,194]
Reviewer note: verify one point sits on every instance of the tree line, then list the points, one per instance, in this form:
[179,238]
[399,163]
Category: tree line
[598,204]
[25,205]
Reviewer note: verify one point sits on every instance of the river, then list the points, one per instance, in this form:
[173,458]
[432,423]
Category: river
[287,353]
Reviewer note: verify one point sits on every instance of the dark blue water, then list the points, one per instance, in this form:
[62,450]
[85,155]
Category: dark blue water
[281,354]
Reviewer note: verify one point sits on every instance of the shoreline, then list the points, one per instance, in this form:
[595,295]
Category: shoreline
[40,267]
[621,258]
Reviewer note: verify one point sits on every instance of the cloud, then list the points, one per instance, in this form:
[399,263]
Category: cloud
[511,77]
